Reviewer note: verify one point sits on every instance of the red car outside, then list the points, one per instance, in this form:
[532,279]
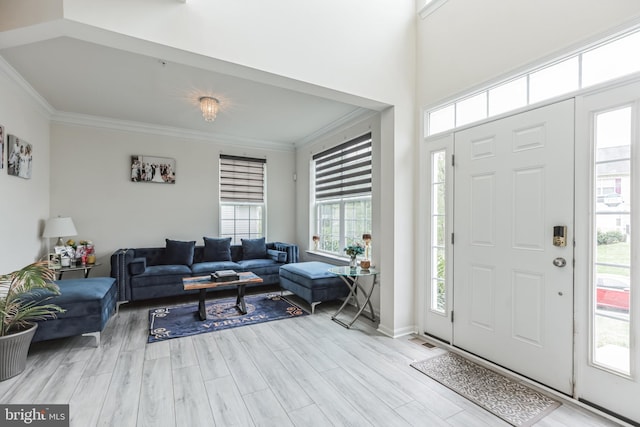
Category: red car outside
[612,292]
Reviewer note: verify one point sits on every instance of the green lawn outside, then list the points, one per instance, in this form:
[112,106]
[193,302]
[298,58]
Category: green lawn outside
[617,253]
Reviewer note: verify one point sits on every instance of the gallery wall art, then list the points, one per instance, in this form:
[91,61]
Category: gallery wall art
[160,170]
[19,157]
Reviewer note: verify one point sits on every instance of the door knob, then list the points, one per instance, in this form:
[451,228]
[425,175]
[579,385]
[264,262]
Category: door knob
[559,262]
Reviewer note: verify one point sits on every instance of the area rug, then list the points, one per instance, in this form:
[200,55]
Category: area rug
[514,402]
[180,321]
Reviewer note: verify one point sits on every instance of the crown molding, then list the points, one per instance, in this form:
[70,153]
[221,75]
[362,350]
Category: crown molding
[22,84]
[175,132]
[356,115]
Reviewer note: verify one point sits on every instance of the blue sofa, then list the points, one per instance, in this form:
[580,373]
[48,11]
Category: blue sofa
[146,273]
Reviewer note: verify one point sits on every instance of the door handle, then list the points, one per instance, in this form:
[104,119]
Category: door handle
[559,262]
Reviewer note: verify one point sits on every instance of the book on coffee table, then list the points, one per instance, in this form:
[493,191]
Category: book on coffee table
[224,276]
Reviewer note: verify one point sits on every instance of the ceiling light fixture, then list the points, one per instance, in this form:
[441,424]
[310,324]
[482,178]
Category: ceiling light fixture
[209,107]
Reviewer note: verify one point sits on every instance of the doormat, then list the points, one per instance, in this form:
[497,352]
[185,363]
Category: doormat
[180,321]
[511,401]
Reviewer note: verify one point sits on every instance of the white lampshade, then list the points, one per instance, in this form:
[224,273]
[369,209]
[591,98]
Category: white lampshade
[59,227]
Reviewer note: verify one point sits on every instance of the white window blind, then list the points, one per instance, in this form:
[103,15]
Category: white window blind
[344,170]
[241,179]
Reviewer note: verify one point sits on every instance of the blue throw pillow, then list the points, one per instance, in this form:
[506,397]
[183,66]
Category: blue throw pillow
[216,249]
[254,248]
[179,253]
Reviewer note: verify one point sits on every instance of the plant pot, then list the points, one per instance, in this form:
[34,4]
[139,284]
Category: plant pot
[13,352]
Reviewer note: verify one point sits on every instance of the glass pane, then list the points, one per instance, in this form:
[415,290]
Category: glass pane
[612,60]
[438,302]
[441,120]
[438,227]
[438,251]
[612,221]
[471,109]
[508,96]
[554,80]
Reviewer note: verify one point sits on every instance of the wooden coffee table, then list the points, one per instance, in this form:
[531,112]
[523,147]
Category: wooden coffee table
[202,283]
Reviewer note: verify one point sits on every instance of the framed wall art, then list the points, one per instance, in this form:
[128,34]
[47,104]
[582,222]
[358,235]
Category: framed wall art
[19,157]
[161,170]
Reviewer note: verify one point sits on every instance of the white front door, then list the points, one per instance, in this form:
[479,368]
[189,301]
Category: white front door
[513,289]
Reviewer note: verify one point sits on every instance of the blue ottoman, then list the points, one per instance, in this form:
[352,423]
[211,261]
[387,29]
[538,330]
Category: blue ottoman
[312,282]
[89,304]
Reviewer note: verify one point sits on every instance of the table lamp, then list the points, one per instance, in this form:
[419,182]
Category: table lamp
[59,227]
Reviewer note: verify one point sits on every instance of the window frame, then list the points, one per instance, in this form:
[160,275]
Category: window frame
[356,188]
[241,199]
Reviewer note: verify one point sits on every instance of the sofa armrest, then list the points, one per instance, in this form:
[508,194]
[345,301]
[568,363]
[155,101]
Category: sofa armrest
[291,250]
[277,256]
[120,260]
[137,266]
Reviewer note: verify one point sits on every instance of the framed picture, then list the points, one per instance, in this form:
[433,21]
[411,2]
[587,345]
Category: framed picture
[1,147]
[153,169]
[20,157]
[54,261]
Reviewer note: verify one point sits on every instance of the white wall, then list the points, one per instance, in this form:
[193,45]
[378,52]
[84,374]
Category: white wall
[466,42]
[90,171]
[24,203]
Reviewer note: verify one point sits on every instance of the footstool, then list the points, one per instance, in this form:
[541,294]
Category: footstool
[89,304]
[312,282]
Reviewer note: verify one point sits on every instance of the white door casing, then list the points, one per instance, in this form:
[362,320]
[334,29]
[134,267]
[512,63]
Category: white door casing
[513,184]
[436,322]
[595,384]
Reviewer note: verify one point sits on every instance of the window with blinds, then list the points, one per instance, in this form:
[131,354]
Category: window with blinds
[343,194]
[344,170]
[241,179]
[242,197]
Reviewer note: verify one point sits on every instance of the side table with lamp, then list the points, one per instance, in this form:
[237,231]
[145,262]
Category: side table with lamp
[59,227]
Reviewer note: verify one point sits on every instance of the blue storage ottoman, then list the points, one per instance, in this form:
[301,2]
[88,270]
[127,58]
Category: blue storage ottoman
[312,282]
[89,304]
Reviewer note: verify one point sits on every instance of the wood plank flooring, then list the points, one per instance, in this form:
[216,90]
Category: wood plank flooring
[306,371]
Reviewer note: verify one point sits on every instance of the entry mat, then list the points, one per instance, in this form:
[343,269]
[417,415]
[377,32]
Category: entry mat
[511,401]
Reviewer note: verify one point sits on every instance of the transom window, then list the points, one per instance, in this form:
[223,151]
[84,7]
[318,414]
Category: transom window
[343,194]
[593,65]
[242,200]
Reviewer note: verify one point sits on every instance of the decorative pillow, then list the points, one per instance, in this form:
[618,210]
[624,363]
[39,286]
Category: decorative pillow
[180,253]
[217,249]
[254,248]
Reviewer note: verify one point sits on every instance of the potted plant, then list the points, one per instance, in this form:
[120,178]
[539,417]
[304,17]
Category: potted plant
[21,295]
[353,251]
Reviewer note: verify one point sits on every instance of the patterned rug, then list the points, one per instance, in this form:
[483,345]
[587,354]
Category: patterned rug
[512,401]
[180,321]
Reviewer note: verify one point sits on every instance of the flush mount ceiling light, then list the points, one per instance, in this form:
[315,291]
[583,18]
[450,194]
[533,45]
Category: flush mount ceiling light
[209,107]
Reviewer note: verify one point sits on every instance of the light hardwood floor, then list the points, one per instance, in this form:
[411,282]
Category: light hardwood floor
[306,371]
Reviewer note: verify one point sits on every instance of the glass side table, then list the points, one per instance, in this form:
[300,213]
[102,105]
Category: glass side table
[85,268]
[351,277]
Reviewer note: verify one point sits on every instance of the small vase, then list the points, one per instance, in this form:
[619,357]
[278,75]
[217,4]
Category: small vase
[353,262]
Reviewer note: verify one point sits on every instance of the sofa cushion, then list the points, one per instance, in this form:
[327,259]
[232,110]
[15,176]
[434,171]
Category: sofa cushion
[80,297]
[278,256]
[217,249]
[203,268]
[161,270]
[178,252]
[254,248]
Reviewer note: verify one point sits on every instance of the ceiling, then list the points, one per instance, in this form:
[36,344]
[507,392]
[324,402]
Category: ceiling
[81,78]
